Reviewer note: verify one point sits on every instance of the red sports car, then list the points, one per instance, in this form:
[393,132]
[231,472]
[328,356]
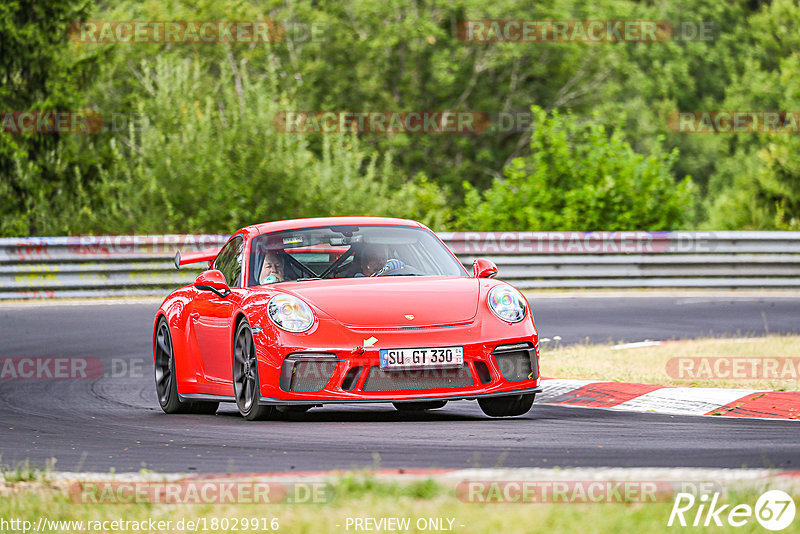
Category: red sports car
[301,313]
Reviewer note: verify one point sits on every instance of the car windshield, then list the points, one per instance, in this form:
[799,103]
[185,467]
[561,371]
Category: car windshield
[349,252]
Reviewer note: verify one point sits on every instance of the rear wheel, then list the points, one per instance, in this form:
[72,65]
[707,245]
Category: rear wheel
[418,406]
[246,387]
[507,406]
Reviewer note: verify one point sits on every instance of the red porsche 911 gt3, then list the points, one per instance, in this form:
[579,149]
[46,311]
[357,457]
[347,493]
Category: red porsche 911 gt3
[302,313]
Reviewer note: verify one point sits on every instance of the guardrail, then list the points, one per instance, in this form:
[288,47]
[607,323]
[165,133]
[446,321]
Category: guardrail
[636,259]
[102,266]
[96,266]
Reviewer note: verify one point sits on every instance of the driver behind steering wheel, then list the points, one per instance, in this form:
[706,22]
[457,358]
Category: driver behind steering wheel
[271,269]
[375,261]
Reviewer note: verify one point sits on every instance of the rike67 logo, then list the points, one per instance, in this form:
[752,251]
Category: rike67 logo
[774,510]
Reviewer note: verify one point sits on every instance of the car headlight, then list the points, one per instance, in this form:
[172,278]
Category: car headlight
[290,313]
[507,303]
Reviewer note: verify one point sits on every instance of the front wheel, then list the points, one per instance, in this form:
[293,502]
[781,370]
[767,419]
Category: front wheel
[418,406]
[507,406]
[245,376]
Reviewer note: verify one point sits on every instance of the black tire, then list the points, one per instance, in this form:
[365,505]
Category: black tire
[164,370]
[419,406]
[507,406]
[246,387]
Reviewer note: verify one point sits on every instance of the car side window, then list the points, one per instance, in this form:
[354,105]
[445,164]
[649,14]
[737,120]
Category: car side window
[229,261]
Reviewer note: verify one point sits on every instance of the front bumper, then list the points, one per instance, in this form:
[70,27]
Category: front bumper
[326,376]
[271,401]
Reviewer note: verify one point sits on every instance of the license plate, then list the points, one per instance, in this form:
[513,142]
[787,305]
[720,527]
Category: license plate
[427,358]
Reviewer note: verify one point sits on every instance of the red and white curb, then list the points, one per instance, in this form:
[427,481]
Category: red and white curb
[671,400]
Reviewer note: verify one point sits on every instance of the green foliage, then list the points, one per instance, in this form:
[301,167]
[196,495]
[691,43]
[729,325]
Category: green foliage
[358,485]
[779,182]
[38,74]
[580,177]
[26,472]
[757,187]
[209,159]
[204,155]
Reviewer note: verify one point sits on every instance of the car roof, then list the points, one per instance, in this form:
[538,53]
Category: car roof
[291,224]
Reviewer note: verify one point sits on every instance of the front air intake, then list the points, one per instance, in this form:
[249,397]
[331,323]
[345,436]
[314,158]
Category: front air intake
[517,362]
[351,378]
[307,371]
[483,372]
[381,380]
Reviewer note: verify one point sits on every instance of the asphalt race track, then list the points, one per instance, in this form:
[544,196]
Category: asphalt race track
[114,421]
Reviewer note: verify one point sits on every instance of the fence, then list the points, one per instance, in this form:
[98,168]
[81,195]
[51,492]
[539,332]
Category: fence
[86,266]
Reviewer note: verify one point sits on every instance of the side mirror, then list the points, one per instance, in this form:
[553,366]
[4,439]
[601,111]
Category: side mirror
[214,281]
[483,268]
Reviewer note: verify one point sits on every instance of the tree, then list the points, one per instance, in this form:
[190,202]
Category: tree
[757,187]
[209,159]
[38,73]
[580,177]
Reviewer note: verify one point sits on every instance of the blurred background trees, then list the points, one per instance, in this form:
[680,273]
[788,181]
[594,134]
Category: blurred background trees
[579,175]
[192,146]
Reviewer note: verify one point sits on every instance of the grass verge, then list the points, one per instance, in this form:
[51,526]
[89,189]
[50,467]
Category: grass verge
[357,497]
[653,365]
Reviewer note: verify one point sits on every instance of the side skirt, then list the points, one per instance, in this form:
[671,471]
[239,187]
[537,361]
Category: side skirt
[273,401]
[202,397]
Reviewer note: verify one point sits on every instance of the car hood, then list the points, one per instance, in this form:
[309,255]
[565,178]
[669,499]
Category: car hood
[387,302]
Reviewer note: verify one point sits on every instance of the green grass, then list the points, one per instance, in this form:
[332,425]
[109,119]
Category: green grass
[357,496]
[25,472]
